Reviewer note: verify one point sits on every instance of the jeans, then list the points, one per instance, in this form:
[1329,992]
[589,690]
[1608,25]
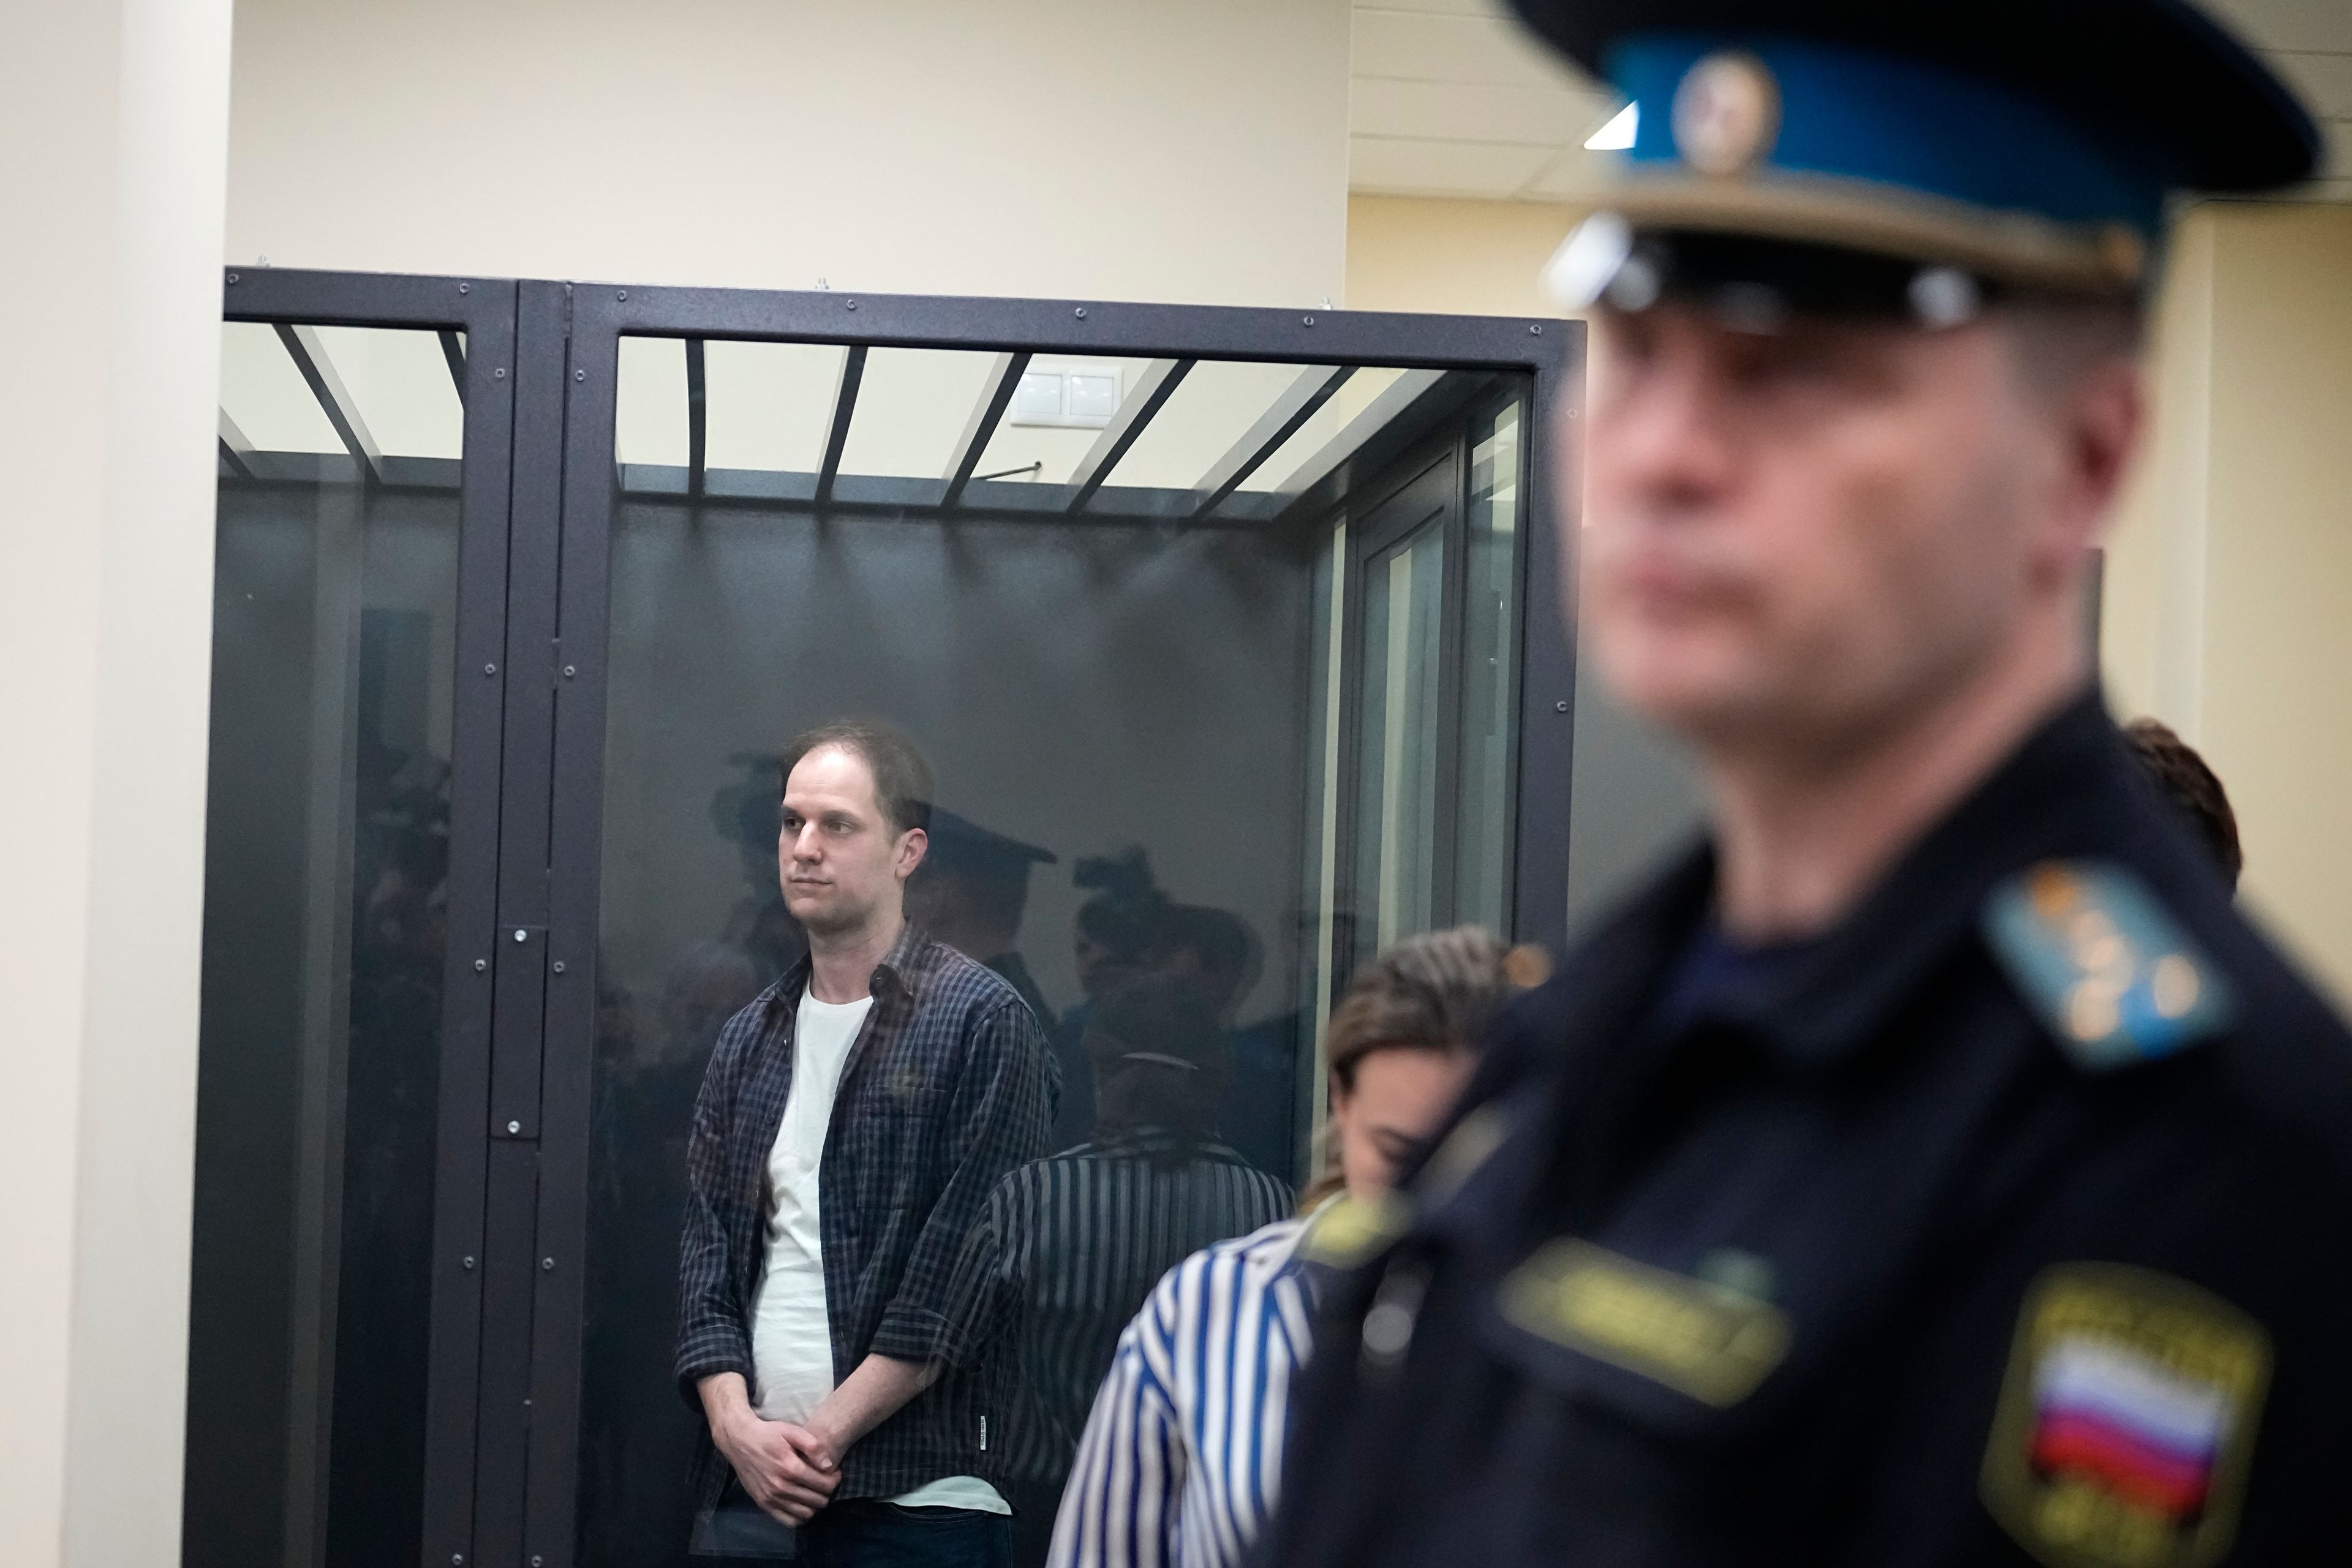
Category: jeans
[869,1532]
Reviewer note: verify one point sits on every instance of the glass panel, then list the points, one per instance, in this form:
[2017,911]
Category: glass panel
[1211,409]
[912,407]
[1397,744]
[649,398]
[770,404]
[1489,646]
[1327,926]
[1296,458]
[326,868]
[1060,410]
[1138,737]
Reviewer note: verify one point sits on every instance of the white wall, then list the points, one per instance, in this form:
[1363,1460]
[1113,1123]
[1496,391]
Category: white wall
[114,120]
[1129,149]
[2231,569]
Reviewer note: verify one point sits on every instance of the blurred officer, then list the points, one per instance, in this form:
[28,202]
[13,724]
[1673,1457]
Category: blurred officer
[1931,1167]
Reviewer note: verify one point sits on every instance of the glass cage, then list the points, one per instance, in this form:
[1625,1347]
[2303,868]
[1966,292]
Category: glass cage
[1232,638]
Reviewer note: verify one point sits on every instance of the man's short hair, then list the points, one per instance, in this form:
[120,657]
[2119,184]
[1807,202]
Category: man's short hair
[2182,777]
[902,779]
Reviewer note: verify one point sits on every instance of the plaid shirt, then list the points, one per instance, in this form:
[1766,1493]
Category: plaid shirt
[946,1088]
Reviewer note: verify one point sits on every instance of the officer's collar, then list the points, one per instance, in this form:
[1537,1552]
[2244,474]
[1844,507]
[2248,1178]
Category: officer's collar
[2047,798]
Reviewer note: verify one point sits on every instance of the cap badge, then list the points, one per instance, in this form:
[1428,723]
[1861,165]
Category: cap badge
[1726,114]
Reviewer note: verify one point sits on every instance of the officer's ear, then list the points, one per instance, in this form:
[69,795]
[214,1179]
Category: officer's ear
[2102,423]
[2078,366]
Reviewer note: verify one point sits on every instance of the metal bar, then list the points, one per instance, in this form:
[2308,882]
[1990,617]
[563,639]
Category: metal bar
[235,449]
[454,351]
[697,417]
[505,1120]
[334,398]
[1278,423]
[1157,385]
[460,1178]
[1540,812]
[1085,327]
[590,480]
[995,397]
[502,1445]
[845,408]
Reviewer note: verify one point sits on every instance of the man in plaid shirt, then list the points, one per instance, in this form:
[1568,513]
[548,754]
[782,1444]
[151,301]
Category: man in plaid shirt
[852,1121]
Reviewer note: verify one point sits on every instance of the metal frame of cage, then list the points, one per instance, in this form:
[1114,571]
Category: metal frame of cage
[538,486]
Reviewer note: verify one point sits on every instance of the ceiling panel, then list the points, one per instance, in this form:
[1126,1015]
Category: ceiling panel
[1442,168]
[1442,7]
[2319,25]
[1461,112]
[2338,164]
[1416,46]
[2324,80]
[1571,171]
[1451,97]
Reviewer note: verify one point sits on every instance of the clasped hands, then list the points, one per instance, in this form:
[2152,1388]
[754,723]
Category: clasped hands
[790,1471]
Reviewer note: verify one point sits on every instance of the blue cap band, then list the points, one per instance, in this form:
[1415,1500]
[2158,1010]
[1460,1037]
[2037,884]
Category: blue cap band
[1903,123]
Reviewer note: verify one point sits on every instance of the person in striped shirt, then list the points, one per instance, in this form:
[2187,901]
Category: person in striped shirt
[1181,1455]
[1068,1247]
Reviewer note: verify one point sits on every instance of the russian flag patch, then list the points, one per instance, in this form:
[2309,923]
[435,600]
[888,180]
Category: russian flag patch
[2126,1421]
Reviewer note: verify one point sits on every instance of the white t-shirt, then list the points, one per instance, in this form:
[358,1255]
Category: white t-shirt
[792,1339]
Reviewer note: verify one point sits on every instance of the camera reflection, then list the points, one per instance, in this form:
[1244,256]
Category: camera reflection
[970,892]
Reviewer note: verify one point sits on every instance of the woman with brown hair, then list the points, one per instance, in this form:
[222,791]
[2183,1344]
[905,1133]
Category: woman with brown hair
[1181,1455]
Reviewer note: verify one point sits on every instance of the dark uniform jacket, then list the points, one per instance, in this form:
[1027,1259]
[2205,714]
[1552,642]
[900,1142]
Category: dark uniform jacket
[2011,1221]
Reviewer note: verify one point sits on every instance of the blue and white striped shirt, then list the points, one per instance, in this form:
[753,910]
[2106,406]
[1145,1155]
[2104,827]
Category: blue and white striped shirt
[1181,1456]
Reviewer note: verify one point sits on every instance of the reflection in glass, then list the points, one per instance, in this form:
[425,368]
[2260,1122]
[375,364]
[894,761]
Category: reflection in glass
[1292,462]
[1070,1245]
[1489,636]
[1136,712]
[1327,936]
[325,902]
[1397,744]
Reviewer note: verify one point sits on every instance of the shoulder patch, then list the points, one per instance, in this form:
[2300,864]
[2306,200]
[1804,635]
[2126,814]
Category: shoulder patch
[2110,972]
[1708,1340]
[2125,1426]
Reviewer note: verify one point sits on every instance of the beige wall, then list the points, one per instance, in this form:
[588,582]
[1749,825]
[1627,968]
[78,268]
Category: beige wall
[115,121]
[1415,253]
[2230,583]
[1192,152]
[2229,588]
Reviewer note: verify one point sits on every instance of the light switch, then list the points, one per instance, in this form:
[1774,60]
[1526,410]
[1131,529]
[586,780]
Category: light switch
[1084,395]
[1092,397]
[1038,398]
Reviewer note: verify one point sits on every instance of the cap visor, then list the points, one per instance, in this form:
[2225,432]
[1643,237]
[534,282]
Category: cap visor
[1824,209]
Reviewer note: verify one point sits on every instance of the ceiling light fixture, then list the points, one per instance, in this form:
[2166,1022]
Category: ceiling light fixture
[1617,135]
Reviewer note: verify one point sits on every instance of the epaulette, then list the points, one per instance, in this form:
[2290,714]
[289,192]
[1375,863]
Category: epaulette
[2103,963]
